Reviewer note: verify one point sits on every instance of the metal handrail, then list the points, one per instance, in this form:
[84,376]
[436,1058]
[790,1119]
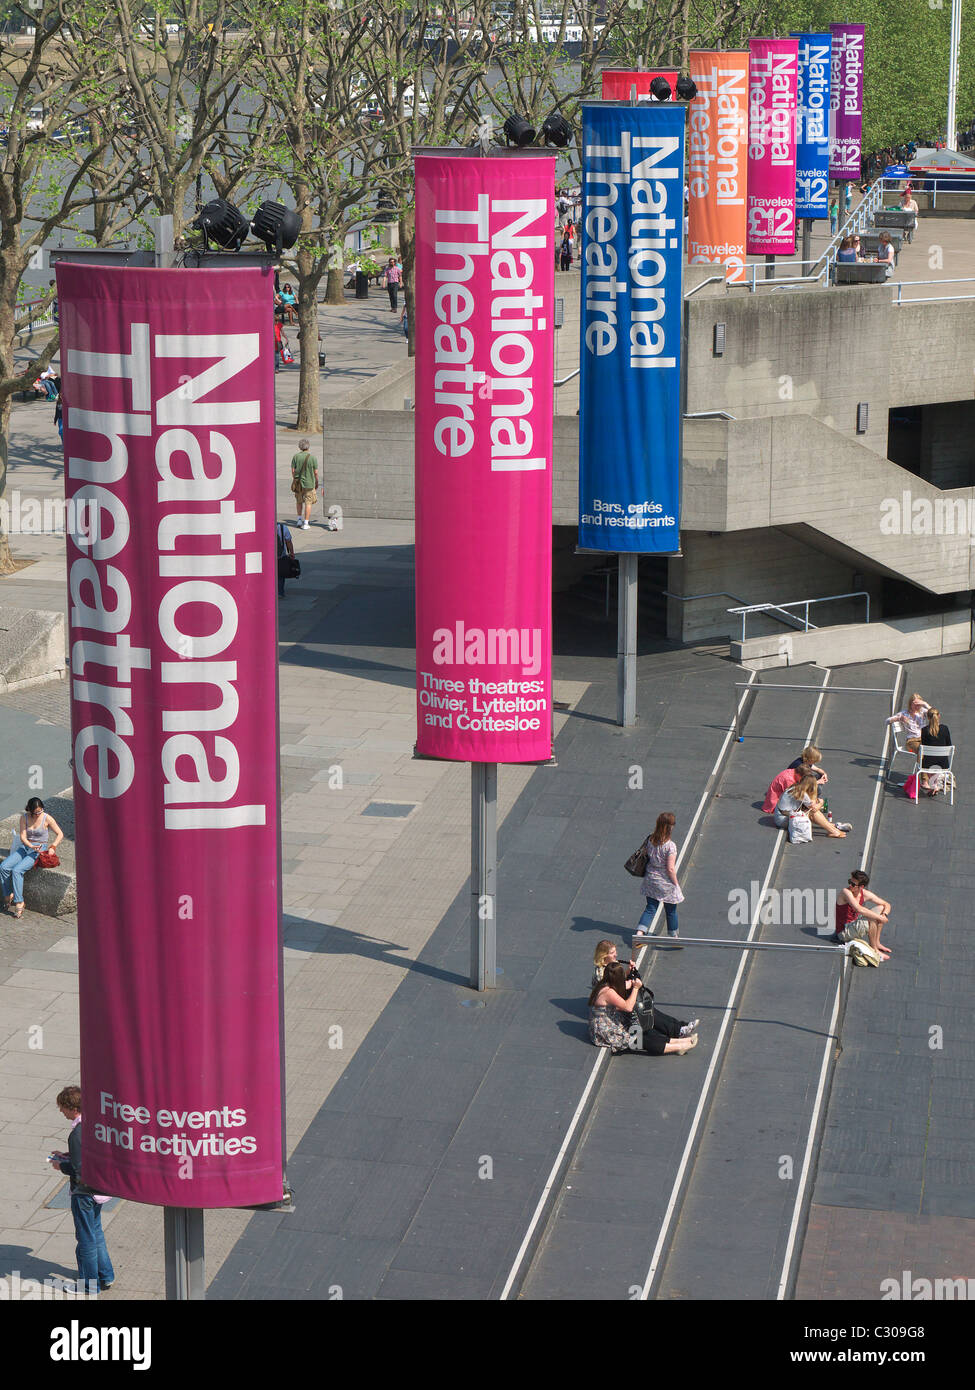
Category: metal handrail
[710,415]
[775,608]
[711,280]
[567,379]
[899,301]
[790,621]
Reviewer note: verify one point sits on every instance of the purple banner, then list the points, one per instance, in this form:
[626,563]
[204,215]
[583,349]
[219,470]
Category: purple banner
[169,469]
[846,101]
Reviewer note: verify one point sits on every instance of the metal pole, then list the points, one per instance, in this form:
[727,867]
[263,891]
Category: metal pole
[164,242]
[770,267]
[950,139]
[626,599]
[183,1239]
[806,245]
[484,874]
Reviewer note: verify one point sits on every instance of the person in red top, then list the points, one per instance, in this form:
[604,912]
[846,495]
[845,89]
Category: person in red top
[855,919]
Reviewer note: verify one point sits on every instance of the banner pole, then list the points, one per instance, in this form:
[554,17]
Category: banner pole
[626,601]
[484,874]
[806,245]
[183,1238]
[770,267]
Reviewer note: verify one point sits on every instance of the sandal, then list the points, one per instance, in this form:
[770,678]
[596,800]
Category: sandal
[15,912]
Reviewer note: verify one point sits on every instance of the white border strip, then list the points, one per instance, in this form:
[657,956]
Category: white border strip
[824,1069]
[580,1108]
[717,1051]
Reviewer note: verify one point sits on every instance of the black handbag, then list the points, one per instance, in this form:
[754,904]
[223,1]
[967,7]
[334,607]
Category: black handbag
[637,862]
[289,566]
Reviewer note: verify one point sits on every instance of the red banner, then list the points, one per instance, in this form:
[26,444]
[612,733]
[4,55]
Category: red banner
[618,82]
[169,467]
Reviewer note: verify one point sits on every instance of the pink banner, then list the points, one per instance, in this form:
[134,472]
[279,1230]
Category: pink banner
[485,260]
[772,105]
[169,468]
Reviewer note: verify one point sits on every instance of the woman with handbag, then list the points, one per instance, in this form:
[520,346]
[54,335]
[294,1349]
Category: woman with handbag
[612,1005]
[30,848]
[660,876]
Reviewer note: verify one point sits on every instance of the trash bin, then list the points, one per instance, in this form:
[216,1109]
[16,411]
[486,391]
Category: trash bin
[361,285]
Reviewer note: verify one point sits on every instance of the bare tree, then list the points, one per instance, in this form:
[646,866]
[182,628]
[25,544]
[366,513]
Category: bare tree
[308,66]
[56,164]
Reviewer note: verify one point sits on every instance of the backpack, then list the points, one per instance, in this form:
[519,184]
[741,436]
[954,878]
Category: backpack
[862,953]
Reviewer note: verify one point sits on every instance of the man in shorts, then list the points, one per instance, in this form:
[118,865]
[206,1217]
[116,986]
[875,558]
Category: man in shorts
[304,482]
[854,920]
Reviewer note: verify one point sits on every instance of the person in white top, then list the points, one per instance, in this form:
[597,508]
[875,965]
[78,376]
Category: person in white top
[912,718]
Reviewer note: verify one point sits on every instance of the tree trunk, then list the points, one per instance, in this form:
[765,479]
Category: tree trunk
[407,247]
[7,369]
[335,293]
[309,276]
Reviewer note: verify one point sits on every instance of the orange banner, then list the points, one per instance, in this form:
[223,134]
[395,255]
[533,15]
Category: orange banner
[717,168]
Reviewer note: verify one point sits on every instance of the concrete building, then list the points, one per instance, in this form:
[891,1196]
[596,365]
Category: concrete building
[828,449]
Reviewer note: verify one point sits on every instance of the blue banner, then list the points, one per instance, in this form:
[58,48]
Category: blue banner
[812,143]
[630,354]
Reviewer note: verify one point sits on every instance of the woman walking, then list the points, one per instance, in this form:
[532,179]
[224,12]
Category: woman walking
[660,879]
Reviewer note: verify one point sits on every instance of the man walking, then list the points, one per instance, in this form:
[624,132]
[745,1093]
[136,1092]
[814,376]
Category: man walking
[304,482]
[95,1272]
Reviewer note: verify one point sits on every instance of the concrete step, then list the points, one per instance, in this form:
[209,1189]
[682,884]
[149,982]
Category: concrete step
[32,646]
[51,892]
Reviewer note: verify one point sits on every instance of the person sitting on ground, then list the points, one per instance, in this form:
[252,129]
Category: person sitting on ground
[934,735]
[611,1022]
[35,829]
[802,797]
[911,720]
[605,954]
[846,253]
[807,764]
[854,920]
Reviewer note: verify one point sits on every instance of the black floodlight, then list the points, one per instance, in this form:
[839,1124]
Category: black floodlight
[556,130]
[518,132]
[660,89]
[277,226]
[221,222]
[686,89]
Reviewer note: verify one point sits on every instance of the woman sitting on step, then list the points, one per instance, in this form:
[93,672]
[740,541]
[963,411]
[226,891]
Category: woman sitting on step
[35,829]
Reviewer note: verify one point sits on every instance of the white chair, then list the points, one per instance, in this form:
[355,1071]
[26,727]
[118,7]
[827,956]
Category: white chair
[900,747]
[936,755]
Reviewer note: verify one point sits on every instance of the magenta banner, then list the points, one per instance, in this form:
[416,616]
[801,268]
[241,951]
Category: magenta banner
[485,260]
[846,101]
[169,468]
[772,103]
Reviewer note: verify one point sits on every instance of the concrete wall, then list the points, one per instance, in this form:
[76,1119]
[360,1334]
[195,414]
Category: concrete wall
[905,639]
[760,566]
[792,353]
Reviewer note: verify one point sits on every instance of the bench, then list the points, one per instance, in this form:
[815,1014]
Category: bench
[894,218]
[865,273]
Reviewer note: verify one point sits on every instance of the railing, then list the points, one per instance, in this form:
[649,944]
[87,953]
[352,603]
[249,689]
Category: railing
[934,298]
[43,319]
[777,610]
[566,379]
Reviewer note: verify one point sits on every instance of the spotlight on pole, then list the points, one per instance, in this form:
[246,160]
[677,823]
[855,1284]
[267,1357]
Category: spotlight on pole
[517,131]
[557,130]
[221,222]
[277,226]
[660,89]
[686,89]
